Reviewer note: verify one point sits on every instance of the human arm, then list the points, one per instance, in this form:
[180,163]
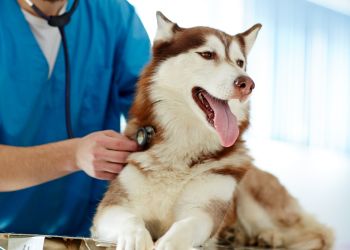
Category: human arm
[100,154]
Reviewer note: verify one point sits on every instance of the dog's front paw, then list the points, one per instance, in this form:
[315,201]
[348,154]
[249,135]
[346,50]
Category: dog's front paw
[173,242]
[129,236]
[134,238]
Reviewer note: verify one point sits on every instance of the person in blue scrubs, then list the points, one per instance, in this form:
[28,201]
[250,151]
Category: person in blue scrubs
[50,184]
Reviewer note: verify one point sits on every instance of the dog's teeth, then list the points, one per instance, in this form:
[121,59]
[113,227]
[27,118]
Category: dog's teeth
[200,97]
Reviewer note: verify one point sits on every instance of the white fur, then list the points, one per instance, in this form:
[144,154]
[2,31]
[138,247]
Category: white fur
[181,209]
[156,189]
[240,109]
[201,188]
[252,216]
[186,233]
[116,224]
[250,39]
[214,44]
[164,30]
[193,225]
[217,79]
[235,52]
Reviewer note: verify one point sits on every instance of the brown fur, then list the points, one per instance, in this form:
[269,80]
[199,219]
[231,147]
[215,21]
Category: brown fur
[240,37]
[137,165]
[115,194]
[236,172]
[217,209]
[294,228]
[271,195]
[154,227]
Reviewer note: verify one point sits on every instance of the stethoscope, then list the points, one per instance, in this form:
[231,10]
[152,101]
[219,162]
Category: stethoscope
[59,22]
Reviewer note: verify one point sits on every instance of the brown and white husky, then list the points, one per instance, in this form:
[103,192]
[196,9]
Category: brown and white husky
[196,180]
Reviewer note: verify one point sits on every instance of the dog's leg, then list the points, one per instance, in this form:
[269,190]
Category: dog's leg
[199,212]
[193,230]
[117,224]
[270,217]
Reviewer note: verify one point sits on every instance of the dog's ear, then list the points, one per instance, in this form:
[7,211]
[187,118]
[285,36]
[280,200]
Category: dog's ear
[166,28]
[249,37]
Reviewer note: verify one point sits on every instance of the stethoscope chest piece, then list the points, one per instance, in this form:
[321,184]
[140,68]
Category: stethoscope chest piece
[144,135]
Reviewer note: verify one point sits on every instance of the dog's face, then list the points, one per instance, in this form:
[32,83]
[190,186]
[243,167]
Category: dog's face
[200,73]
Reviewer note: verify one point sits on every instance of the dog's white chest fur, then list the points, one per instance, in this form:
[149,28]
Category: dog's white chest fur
[166,191]
[157,189]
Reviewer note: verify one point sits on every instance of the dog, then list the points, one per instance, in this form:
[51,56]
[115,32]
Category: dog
[195,179]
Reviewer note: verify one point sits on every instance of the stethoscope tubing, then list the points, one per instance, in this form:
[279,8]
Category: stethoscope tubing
[68,115]
[60,22]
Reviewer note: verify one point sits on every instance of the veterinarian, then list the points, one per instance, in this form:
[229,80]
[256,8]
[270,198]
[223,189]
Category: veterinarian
[50,184]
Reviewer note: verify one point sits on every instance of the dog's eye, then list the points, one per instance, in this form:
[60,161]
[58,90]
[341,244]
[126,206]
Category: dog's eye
[208,55]
[240,63]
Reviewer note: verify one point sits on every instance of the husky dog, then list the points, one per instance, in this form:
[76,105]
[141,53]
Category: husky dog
[195,179]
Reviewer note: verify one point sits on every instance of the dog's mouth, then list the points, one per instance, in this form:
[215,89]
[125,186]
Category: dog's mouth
[218,115]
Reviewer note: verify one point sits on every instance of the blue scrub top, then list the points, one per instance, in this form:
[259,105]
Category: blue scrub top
[108,47]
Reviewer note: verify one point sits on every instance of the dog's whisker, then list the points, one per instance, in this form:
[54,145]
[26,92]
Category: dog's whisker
[157,101]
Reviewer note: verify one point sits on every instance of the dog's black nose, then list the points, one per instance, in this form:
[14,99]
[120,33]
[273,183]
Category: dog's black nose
[244,85]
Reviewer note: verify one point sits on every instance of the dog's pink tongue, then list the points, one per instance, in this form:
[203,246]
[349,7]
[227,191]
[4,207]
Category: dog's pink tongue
[225,122]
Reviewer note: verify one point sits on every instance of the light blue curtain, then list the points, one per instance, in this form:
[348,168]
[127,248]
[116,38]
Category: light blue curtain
[301,64]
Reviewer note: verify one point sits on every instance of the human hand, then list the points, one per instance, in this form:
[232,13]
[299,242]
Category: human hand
[103,154]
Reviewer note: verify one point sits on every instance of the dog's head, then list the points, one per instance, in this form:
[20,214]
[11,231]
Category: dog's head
[196,82]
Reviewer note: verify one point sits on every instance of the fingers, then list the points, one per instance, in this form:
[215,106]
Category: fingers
[111,133]
[114,141]
[103,154]
[106,170]
[111,155]
[103,166]
[105,176]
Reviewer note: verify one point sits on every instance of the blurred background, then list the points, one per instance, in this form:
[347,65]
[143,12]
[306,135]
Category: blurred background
[300,108]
